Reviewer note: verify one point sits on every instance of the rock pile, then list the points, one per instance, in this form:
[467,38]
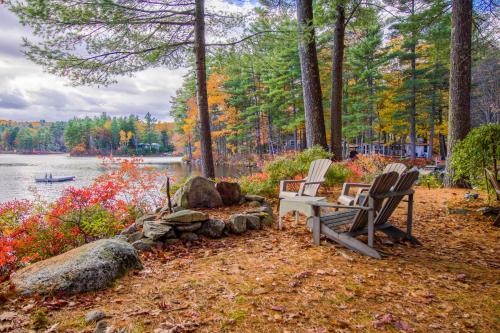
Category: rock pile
[188,225]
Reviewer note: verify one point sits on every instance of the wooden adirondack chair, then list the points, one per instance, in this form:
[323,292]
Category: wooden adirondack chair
[496,186]
[308,186]
[346,198]
[384,195]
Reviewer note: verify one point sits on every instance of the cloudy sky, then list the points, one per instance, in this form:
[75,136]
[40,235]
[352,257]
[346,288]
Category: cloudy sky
[27,92]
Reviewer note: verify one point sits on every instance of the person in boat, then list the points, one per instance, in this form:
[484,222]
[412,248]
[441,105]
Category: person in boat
[50,176]
[45,175]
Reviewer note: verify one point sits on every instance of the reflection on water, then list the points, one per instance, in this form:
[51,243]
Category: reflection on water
[18,172]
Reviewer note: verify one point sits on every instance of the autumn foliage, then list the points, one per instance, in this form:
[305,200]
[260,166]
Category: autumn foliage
[35,230]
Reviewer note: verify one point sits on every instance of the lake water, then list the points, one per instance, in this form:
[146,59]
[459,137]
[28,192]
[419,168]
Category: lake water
[18,173]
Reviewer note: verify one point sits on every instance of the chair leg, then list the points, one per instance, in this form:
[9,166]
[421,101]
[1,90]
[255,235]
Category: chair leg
[296,217]
[409,218]
[316,230]
[371,227]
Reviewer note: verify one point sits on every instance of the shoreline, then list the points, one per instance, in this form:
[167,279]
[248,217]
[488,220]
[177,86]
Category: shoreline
[89,155]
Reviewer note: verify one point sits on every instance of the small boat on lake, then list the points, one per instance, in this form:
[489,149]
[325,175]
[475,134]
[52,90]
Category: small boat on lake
[54,179]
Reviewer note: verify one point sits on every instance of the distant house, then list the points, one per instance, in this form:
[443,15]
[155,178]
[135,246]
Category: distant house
[393,149]
[147,146]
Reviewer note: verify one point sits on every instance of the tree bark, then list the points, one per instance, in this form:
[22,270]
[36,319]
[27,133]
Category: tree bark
[313,102]
[207,162]
[460,78]
[336,92]
[413,100]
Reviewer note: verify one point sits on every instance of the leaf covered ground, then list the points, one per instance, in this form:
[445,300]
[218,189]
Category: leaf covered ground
[276,281]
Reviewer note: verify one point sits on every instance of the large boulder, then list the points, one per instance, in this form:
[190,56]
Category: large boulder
[185,216]
[197,192]
[229,192]
[89,267]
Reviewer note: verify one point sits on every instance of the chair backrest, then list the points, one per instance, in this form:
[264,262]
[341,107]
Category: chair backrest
[494,182]
[382,184]
[317,172]
[404,183]
[398,167]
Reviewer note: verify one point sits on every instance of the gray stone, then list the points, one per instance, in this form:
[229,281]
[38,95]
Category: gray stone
[177,209]
[188,227]
[144,245]
[156,230]
[197,192]
[185,216]
[164,210]
[94,316]
[267,220]
[261,209]
[89,267]
[129,230]
[170,241]
[238,223]
[253,222]
[254,204]
[122,238]
[148,217]
[266,208]
[101,327]
[135,236]
[213,228]
[229,192]
[188,237]
[458,211]
[253,197]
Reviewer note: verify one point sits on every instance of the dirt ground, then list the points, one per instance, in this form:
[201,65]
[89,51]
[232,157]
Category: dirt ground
[276,281]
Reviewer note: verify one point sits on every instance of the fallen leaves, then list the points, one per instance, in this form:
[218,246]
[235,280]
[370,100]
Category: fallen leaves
[10,320]
[273,280]
[381,321]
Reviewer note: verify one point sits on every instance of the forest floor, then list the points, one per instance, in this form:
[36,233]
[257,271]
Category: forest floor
[276,281]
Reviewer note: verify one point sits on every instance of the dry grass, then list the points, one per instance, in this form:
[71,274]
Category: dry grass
[272,281]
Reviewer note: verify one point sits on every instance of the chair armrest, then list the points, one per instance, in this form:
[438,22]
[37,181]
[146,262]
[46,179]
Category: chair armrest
[347,186]
[332,205]
[313,183]
[357,184]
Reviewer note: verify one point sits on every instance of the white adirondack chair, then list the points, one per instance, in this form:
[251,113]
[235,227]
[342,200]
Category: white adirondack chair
[308,186]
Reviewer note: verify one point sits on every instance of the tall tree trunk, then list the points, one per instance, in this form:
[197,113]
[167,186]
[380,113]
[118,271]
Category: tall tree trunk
[432,118]
[371,108]
[413,103]
[336,92]
[432,128]
[313,102]
[207,161]
[270,133]
[460,78]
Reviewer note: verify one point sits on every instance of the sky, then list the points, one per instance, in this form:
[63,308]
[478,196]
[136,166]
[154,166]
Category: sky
[28,93]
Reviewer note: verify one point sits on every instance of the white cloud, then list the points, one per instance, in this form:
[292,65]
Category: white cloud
[27,92]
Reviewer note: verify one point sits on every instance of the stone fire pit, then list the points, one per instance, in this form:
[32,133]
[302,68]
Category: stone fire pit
[187,224]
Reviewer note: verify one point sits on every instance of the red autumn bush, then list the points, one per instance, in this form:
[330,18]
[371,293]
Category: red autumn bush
[34,230]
